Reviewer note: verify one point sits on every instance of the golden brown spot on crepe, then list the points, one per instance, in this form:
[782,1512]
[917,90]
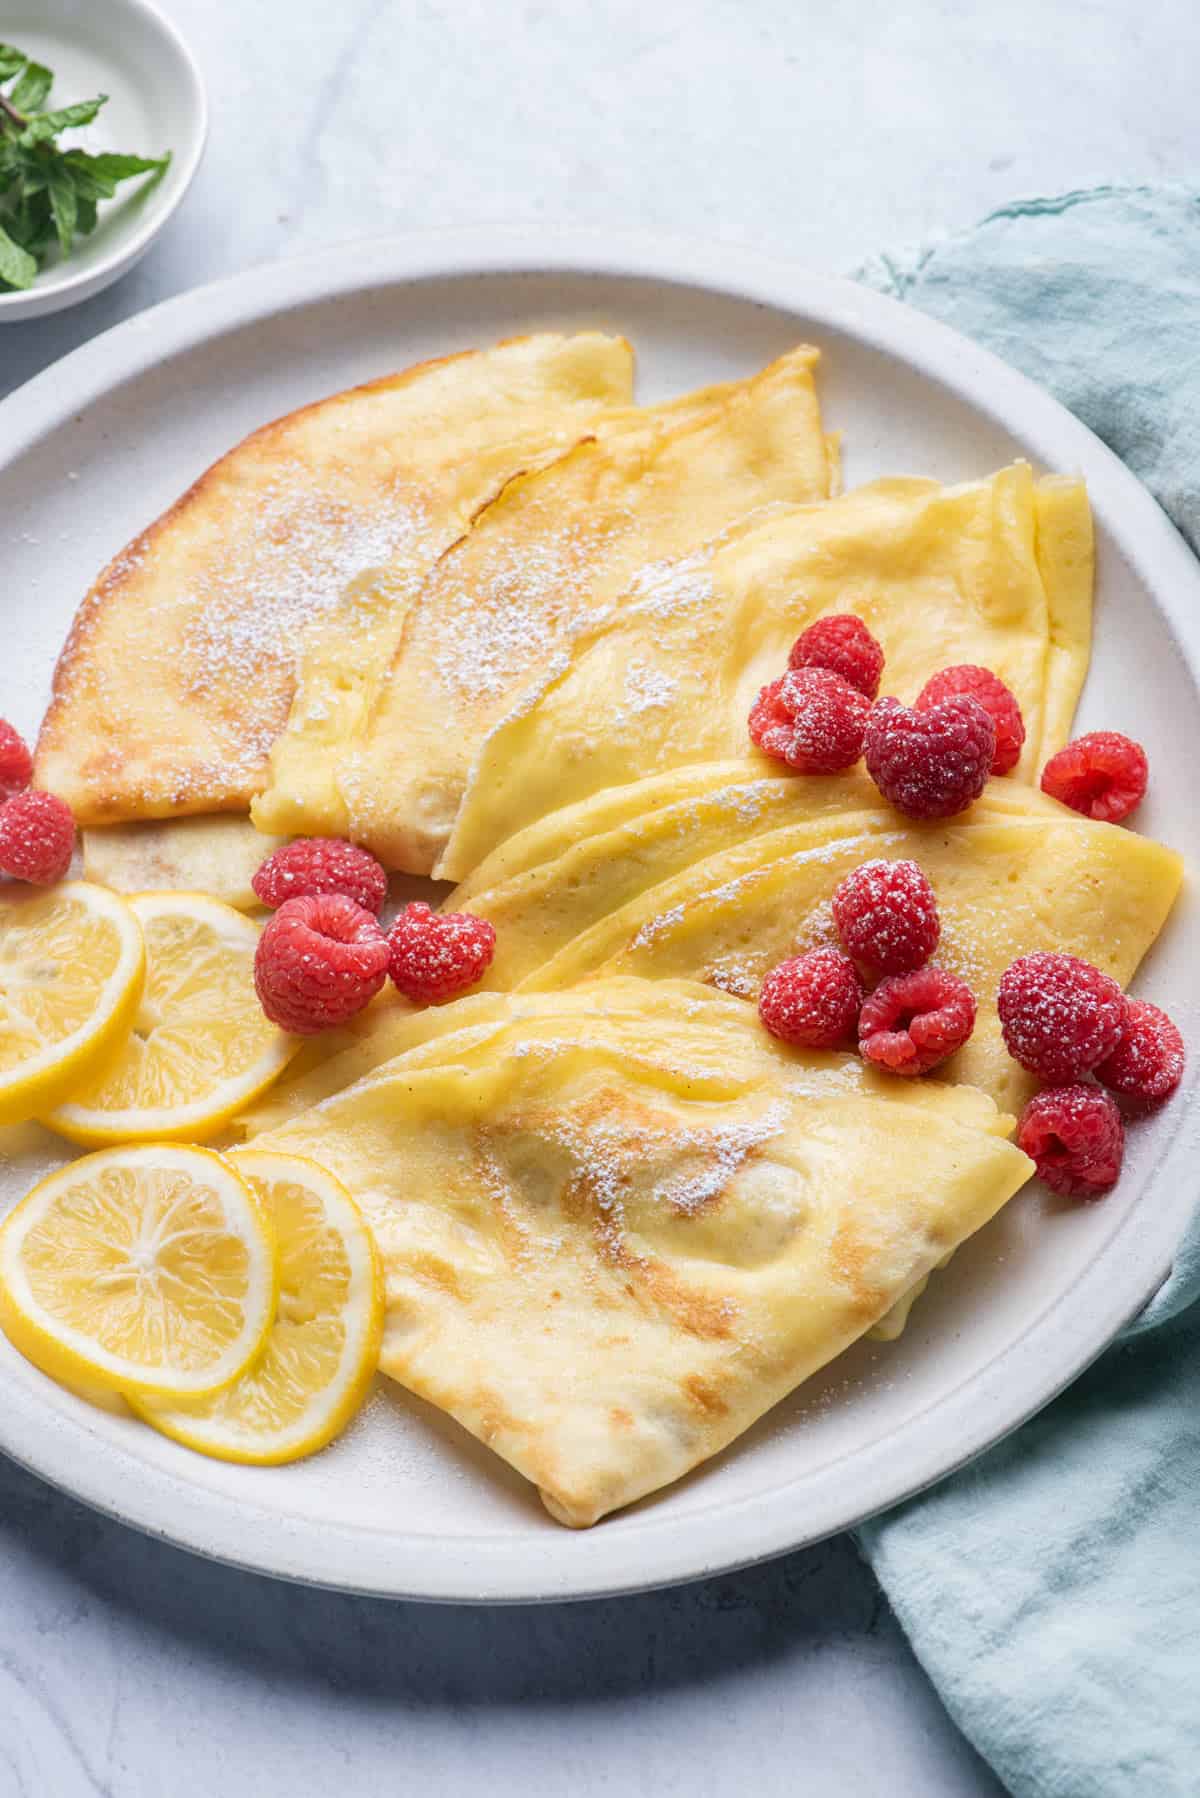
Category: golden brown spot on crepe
[851,1256]
[622,1419]
[656,1283]
[702,1394]
[439,1273]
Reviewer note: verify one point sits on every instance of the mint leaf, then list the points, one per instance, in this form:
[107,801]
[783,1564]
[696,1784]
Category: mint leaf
[17,266]
[111,167]
[33,167]
[45,125]
[63,206]
[97,176]
[12,61]
[31,226]
[34,84]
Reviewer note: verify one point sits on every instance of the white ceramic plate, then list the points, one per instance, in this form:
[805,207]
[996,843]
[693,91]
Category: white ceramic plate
[127,50]
[407,1503]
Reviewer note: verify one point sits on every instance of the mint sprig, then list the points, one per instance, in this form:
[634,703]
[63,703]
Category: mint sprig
[48,195]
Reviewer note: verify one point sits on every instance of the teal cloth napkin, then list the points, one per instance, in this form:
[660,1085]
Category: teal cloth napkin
[1052,1589]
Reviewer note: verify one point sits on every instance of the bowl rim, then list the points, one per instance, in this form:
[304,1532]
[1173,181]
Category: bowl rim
[186,159]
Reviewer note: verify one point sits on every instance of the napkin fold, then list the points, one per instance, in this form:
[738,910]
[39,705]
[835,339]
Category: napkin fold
[1052,1588]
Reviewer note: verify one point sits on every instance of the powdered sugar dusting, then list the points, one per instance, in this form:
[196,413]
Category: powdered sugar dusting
[680,1167]
[735,975]
[224,594]
[654,928]
[297,550]
[509,599]
[646,689]
[724,1149]
[673,586]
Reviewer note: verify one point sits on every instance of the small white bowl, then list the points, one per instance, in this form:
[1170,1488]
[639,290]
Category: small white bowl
[127,50]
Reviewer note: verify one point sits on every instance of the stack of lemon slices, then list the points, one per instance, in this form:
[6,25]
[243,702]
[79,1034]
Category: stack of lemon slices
[234,1300]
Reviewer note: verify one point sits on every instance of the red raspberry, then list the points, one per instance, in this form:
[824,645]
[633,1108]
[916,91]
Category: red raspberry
[930,764]
[435,955]
[1075,1136]
[16,763]
[321,865]
[911,1022]
[37,838]
[1147,1064]
[996,699]
[842,643]
[811,719]
[319,960]
[1103,775]
[886,916]
[812,1000]
[1060,1016]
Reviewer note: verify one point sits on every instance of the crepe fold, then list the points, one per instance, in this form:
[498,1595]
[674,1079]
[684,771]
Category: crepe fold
[617,1231]
[179,670]
[995,572]
[550,557]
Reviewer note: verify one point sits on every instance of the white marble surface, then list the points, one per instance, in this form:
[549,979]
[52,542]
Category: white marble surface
[127,1668]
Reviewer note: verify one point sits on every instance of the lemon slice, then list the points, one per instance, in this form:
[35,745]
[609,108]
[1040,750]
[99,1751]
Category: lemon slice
[200,1047]
[319,1357]
[71,968]
[148,1269]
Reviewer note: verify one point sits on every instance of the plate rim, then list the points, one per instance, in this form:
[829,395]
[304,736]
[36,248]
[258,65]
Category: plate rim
[1121,1277]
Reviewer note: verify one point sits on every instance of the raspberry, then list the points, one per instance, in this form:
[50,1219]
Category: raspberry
[812,1000]
[911,1022]
[1075,1136]
[320,959]
[996,699]
[37,838]
[1061,1017]
[435,955]
[321,865]
[811,719]
[1103,775]
[1147,1064]
[16,763]
[886,916]
[842,643]
[930,764]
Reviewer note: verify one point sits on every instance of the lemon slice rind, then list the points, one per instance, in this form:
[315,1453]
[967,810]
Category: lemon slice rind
[95,1126]
[45,1079]
[231,1426]
[76,1358]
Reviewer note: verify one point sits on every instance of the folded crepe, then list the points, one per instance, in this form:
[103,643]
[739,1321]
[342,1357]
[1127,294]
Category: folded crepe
[612,1243]
[345,654]
[551,555]
[1011,876]
[218,856]
[179,671]
[997,572]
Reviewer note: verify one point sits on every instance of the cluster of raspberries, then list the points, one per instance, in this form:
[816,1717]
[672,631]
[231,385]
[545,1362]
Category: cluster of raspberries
[325,955]
[917,1014]
[933,758]
[1062,1019]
